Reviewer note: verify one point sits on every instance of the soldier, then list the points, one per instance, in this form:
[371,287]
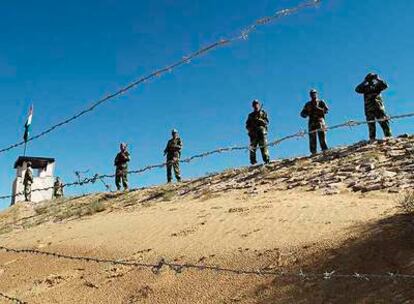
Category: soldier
[372,87]
[256,125]
[27,182]
[58,188]
[173,153]
[121,164]
[316,110]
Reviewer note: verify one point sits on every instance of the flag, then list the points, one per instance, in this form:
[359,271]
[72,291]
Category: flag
[28,124]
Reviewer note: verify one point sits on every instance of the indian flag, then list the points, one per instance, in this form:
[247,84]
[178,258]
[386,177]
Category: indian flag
[28,124]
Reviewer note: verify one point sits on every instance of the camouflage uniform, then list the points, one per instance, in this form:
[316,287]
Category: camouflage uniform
[121,174]
[58,188]
[173,152]
[373,104]
[256,124]
[27,182]
[316,112]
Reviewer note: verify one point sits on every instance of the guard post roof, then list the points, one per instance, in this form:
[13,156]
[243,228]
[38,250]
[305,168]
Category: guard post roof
[37,162]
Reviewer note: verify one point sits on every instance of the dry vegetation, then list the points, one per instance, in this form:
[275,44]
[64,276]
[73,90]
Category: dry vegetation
[406,202]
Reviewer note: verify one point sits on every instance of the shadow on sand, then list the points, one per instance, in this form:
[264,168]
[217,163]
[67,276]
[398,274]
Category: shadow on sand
[382,247]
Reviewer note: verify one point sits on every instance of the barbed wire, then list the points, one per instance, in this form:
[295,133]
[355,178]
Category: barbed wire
[243,35]
[299,134]
[179,268]
[12,299]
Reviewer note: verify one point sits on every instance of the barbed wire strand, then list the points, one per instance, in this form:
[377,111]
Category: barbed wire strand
[11,299]
[243,35]
[300,134]
[179,268]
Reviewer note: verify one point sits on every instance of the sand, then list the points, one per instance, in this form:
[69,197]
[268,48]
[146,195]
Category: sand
[272,229]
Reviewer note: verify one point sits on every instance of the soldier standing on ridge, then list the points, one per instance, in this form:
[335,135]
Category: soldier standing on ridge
[121,164]
[256,125]
[27,182]
[371,87]
[173,153]
[316,110]
[58,188]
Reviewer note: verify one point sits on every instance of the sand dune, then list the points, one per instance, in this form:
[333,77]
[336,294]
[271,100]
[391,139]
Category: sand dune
[240,219]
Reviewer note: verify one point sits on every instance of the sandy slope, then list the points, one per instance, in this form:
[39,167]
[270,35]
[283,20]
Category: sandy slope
[286,230]
[308,214]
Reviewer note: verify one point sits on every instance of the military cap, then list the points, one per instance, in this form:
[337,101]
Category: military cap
[313,91]
[29,164]
[254,102]
[174,131]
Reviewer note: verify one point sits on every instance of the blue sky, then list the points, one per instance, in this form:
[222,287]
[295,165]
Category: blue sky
[62,57]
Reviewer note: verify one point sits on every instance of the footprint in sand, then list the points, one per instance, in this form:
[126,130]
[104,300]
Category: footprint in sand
[238,210]
[250,233]
[116,272]
[143,293]
[179,259]
[216,207]
[241,250]
[141,254]
[49,282]
[202,259]
[263,207]
[184,232]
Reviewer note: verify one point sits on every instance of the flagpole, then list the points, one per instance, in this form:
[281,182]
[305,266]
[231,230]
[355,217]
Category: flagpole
[25,148]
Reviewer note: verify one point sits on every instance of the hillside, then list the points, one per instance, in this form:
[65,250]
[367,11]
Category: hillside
[311,215]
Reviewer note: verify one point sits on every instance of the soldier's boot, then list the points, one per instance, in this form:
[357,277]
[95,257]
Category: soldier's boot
[372,131]
[177,172]
[253,159]
[265,155]
[385,125]
[125,182]
[322,140]
[252,148]
[118,182]
[177,176]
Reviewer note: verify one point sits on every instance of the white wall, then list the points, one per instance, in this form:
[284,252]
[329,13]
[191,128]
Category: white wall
[38,183]
[44,180]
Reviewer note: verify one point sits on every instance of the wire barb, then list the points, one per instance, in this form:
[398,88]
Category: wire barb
[328,275]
